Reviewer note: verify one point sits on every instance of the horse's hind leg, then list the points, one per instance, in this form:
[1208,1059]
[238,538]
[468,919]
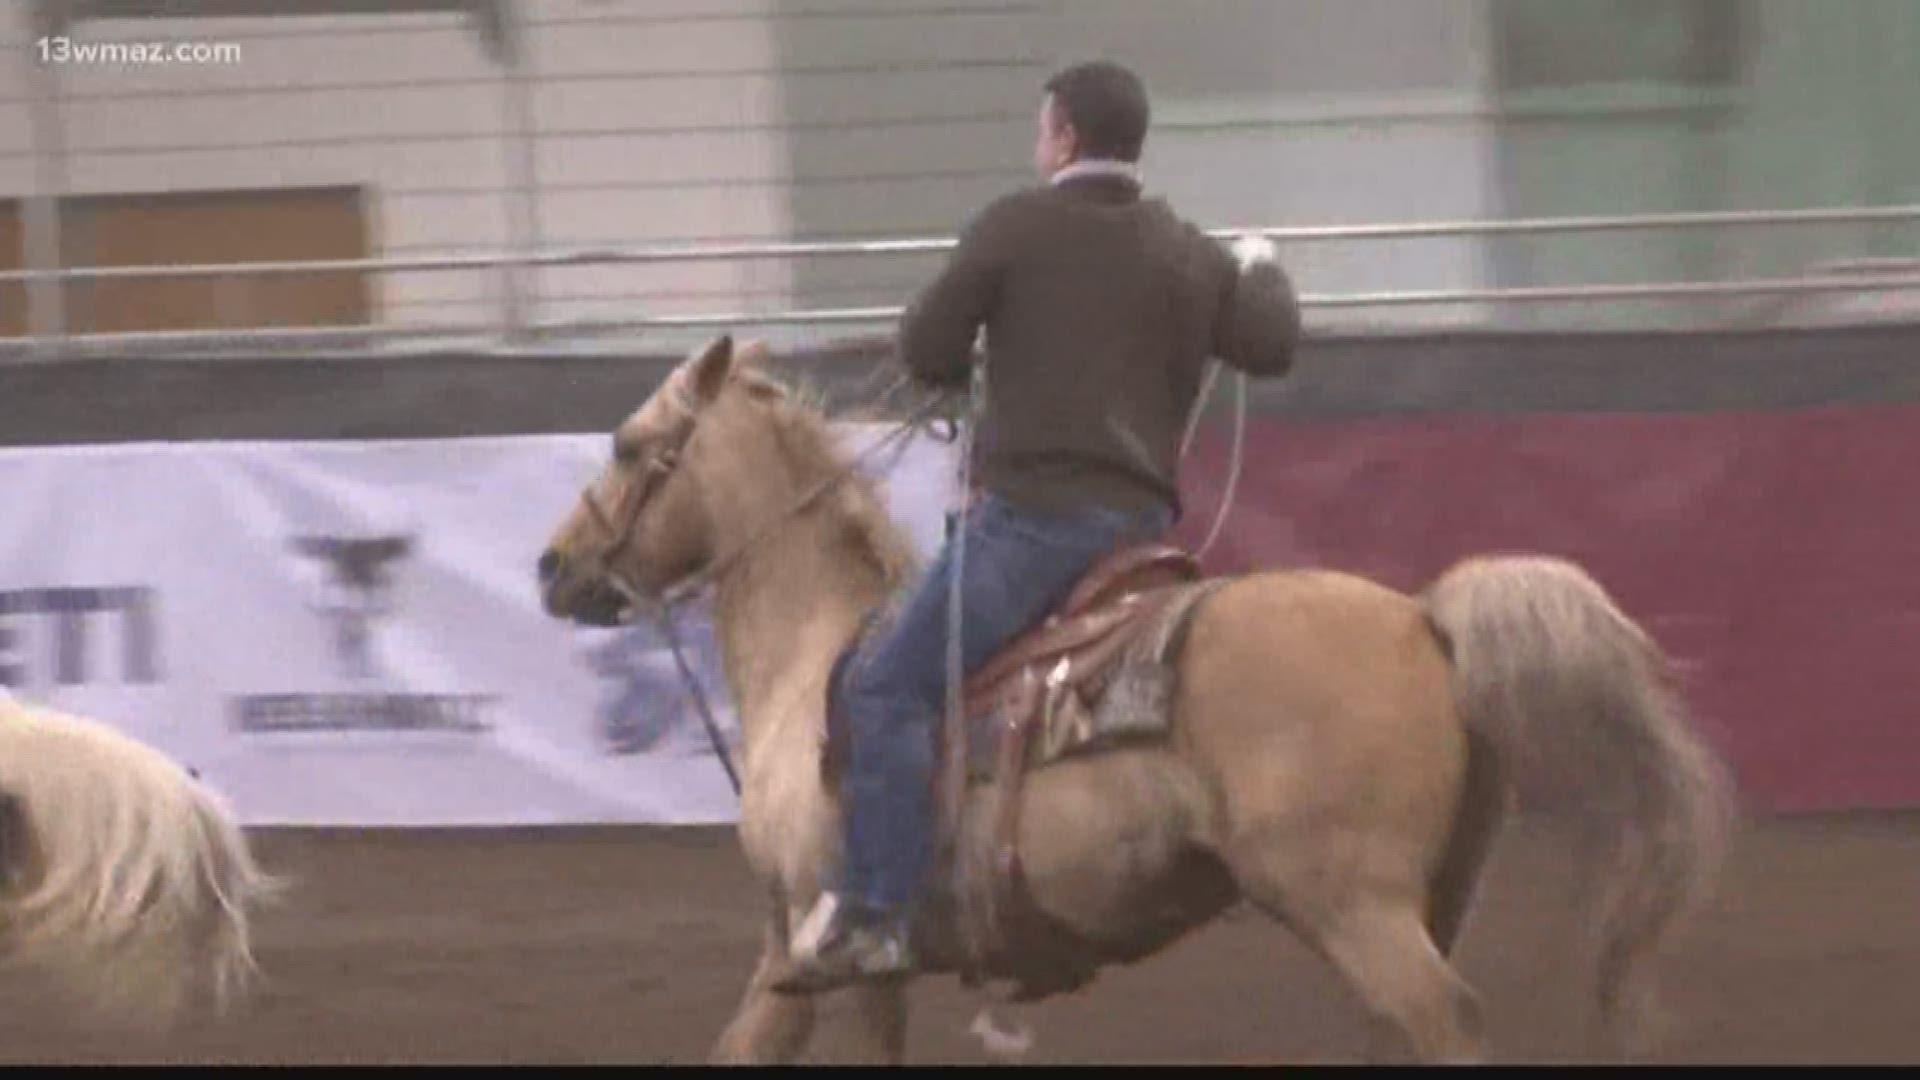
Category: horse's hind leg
[1378,940]
[1390,960]
[769,1028]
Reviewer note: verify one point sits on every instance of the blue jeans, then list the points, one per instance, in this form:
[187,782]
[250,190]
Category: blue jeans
[1019,565]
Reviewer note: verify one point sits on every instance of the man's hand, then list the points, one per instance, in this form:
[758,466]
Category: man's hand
[1258,321]
[1250,250]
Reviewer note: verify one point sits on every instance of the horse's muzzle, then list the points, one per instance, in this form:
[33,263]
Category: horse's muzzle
[588,602]
[600,606]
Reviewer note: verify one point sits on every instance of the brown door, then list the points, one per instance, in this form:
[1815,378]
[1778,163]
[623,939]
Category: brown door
[175,228]
[13,294]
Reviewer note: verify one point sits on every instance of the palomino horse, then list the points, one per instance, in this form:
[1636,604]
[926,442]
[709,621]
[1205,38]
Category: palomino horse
[1340,754]
[122,877]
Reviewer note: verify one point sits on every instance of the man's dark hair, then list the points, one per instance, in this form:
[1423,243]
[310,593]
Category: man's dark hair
[1107,106]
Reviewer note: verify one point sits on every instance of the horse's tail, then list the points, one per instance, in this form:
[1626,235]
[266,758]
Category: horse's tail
[1579,706]
[126,878]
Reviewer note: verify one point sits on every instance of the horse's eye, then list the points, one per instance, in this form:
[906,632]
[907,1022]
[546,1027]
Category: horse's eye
[625,452]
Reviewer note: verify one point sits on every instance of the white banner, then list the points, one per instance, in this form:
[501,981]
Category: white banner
[351,634]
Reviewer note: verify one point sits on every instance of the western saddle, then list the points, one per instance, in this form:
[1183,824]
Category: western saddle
[1102,614]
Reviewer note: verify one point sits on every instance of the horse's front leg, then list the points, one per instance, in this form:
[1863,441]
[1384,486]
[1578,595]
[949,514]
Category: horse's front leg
[880,1018]
[769,1028]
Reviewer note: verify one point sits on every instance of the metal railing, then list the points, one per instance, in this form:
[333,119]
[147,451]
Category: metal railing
[669,253]
[488,335]
[1889,275]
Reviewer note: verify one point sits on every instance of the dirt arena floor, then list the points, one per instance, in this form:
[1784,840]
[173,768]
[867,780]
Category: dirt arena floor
[631,946]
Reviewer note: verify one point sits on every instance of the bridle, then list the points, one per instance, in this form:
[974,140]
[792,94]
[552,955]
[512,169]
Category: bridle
[621,526]
[620,534]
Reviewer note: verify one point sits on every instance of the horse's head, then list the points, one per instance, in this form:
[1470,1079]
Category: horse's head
[646,521]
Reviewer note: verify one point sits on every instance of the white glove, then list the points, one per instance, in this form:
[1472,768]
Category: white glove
[1252,249]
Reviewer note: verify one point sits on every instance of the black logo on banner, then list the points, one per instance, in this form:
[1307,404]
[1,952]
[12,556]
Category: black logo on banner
[70,637]
[356,596]
[358,593]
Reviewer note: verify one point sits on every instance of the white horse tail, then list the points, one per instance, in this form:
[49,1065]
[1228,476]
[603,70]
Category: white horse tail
[125,878]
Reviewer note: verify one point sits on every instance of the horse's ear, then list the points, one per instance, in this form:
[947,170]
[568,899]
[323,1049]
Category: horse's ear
[711,369]
[753,352]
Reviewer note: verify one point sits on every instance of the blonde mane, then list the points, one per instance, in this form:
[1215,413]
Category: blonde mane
[866,534]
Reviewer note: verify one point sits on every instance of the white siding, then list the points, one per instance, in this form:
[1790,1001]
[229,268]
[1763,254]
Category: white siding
[658,121]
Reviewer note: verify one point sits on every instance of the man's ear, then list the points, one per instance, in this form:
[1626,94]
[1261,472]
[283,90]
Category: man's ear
[711,369]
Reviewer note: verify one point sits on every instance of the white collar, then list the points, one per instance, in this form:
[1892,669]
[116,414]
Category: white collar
[1098,167]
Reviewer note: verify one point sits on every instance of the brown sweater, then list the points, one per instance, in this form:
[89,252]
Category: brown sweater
[1101,310]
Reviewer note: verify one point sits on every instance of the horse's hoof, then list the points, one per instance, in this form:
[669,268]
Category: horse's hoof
[999,1041]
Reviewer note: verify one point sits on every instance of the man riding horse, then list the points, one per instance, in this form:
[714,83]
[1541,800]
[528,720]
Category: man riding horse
[1102,309]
